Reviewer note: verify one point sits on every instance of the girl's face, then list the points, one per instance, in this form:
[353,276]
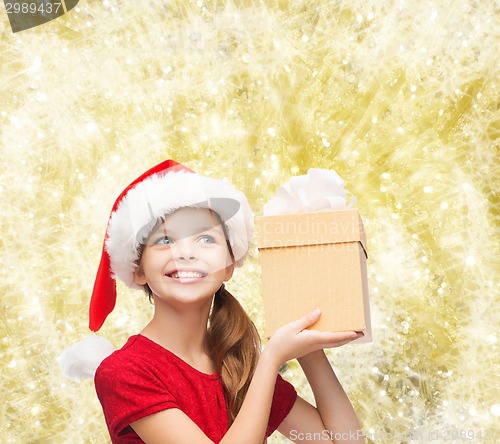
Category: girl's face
[186,257]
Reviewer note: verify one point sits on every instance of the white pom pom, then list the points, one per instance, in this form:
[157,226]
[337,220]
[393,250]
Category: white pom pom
[82,359]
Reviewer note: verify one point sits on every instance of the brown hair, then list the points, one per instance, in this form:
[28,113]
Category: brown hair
[234,345]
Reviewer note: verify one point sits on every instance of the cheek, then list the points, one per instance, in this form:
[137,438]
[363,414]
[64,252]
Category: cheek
[220,263]
[229,260]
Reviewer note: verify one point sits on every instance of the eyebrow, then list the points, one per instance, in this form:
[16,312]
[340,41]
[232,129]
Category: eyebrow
[163,230]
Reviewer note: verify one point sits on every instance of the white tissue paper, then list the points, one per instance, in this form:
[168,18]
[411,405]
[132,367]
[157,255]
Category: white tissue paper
[318,190]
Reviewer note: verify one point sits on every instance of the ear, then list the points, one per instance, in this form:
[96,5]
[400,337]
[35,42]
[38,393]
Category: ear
[139,276]
[229,272]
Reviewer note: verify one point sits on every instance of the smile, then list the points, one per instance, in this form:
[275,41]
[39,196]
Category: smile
[178,274]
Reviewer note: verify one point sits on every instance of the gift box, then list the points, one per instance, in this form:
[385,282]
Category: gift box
[315,259]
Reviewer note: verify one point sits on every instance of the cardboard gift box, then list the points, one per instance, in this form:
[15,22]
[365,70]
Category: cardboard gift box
[314,260]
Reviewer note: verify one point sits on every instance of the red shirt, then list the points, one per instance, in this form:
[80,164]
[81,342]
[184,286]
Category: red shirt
[143,378]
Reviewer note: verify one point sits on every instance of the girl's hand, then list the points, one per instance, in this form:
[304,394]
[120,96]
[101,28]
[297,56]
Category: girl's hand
[293,340]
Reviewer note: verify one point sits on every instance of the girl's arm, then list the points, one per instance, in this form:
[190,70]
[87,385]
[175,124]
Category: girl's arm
[288,342]
[332,402]
[334,419]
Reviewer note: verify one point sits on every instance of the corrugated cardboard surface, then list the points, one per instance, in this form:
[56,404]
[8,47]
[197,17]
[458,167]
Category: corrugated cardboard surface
[314,260]
[323,227]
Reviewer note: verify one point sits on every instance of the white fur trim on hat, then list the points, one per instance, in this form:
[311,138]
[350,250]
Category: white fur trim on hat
[160,195]
[80,361]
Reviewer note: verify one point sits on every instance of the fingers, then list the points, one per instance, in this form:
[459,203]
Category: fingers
[339,343]
[306,321]
[350,336]
[324,337]
[328,339]
[294,339]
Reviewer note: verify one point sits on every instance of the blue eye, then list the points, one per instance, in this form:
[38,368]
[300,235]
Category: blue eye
[207,239]
[164,240]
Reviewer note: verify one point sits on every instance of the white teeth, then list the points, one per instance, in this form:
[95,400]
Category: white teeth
[187,274]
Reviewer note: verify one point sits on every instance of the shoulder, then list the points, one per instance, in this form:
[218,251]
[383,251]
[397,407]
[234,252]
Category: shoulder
[120,356]
[124,364]
[132,373]
[129,385]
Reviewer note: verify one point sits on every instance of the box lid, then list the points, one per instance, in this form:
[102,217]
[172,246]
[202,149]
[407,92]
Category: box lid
[315,228]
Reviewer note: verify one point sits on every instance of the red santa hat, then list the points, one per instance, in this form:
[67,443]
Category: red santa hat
[158,192]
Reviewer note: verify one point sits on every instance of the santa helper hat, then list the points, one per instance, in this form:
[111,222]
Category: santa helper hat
[158,192]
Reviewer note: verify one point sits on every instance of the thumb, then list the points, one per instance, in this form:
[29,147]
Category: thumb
[307,320]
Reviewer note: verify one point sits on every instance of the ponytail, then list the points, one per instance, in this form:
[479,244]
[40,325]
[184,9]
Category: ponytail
[234,345]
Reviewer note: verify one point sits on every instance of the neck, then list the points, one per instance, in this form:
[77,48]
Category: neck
[182,330]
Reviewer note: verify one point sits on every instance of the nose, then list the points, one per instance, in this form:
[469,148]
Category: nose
[184,250]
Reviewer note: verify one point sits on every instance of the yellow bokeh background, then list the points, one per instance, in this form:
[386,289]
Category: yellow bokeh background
[401,98]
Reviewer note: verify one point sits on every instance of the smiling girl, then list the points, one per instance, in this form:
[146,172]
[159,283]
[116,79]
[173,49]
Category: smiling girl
[196,372]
